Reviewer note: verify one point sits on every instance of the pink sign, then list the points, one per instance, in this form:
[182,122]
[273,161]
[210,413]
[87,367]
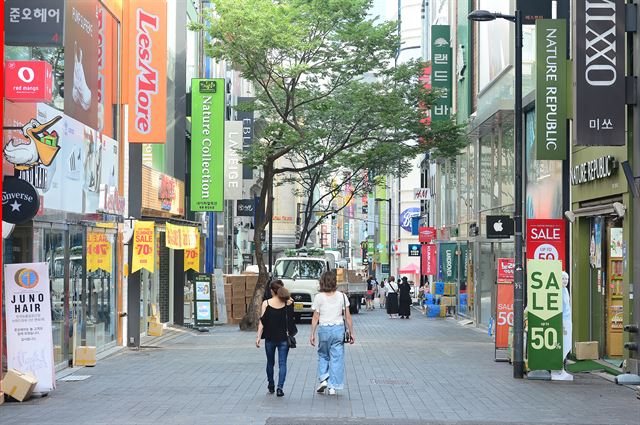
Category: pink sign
[28,81]
[429,260]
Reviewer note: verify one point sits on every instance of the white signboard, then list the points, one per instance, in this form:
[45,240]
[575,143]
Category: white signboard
[422,194]
[232,160]
[28,311]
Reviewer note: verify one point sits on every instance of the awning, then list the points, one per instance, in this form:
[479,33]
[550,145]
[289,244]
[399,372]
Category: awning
[410,269]
[614,208]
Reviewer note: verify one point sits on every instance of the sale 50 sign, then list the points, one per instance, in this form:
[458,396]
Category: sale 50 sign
[546,240]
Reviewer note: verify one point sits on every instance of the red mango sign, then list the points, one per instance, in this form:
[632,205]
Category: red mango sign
[426,234]
[28,81]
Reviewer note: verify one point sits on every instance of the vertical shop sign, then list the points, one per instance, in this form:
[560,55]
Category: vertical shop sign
[546,240]
[192,256]
[148,71]
[600,76]
[506,266]
[143,246]
[504,315]
[544,314]
[34,22]
[246,117]
[429,260]
[232,160]
[448,262]
[81,61]
[28,314]
[441,72]
[203,289]
[207,144]
[464,259]
[551,89]
[99,252]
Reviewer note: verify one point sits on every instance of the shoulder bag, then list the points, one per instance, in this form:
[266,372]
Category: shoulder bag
[346,338]
[291,340]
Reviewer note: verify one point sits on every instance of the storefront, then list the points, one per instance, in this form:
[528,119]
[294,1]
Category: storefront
[600,249]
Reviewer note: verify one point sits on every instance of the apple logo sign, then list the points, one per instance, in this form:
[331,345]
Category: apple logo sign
[497,226]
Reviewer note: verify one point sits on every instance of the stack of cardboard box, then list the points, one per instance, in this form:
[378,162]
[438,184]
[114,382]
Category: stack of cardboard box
[155,327]
[238,293]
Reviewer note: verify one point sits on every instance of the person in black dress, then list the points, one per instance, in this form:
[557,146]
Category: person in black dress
[392,298]
[275,319]
[404,301]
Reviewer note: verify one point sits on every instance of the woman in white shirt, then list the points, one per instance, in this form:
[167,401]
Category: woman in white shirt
[330,316]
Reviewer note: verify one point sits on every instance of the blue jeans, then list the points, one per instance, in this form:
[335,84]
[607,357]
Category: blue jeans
[283,351]
[331,355]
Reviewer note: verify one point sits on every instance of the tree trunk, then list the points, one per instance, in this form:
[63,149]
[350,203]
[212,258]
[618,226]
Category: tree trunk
[263,216]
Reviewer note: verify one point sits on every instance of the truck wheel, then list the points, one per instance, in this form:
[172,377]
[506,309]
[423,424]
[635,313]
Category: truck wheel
[354,304]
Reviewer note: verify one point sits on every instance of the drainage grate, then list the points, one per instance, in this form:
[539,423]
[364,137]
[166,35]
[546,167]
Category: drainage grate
[389,382]
[74,378]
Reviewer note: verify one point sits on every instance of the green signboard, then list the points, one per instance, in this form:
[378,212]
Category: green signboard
[207,144]
[464,259]
[203,300]
[544,314]
[448,262]
[551,89]
[441,73]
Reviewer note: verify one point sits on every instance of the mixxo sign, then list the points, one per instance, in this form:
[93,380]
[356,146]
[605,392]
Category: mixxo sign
[600,76]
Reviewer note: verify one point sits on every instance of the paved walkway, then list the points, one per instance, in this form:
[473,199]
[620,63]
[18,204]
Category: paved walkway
[404,372]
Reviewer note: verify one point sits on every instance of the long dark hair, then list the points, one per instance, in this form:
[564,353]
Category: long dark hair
[328,281]
[281,292]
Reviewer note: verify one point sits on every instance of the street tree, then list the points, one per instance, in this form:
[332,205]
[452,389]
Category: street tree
[325,84]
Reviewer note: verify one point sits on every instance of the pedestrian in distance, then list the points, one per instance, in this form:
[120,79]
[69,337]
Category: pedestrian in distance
[424,297]
[382,293]
[392,298]
[370,292]
[404,298]
[275,324]
[331,317]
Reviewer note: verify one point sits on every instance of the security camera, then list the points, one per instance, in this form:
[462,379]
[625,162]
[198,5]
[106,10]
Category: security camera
[570,216]
[619,208]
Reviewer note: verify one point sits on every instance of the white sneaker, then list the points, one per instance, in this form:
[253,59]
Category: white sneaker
[322,386]
[332,391]
[81,93]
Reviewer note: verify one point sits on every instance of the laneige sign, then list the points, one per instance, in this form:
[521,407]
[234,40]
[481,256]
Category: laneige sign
[596,169]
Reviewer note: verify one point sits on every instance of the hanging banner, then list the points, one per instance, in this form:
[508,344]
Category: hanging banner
[429,260]
[147,34]
[28,322]
[544,314]
[99,252]
[600,73]
[192,256]
[246,117]
[504,314]
[232,160]
[448,262]
[143,246]
[551,89]
[506,266]
[180,237]
[441,76]
[546,240]
[207,144]
[464,264]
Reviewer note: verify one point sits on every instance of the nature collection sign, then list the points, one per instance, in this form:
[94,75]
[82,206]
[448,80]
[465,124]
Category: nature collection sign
[544,314]
[99,252]
[143,246]
[448,262]
[441,72]
[207,144]
[551,89]
[28,314]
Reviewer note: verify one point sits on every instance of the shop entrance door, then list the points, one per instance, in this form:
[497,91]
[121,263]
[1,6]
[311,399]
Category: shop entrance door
[613,291]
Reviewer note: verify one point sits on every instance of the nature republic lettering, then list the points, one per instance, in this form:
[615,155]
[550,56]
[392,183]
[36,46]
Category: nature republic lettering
[596,169]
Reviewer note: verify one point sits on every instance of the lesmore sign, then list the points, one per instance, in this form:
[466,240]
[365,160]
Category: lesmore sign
[600,80]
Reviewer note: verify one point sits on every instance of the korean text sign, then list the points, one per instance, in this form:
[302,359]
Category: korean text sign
[28,312]
[143,246]
[441,72]
[544,314]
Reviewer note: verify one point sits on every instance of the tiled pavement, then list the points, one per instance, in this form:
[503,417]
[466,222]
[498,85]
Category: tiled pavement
[404,372]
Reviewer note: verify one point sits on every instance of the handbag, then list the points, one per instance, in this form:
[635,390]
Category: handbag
[291,340]
[346,338]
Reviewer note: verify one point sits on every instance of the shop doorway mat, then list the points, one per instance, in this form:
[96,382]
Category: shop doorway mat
[615,362]
[74,378]
[590,366]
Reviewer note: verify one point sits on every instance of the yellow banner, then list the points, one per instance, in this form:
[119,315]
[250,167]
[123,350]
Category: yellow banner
[143,246]
[181,237]
[99,252]
[192,256]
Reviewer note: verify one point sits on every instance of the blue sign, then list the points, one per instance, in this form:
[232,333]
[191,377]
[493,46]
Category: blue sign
[414,250]
[415,226]
[407,216]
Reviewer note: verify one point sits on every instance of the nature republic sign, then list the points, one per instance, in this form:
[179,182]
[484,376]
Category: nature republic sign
[544,314]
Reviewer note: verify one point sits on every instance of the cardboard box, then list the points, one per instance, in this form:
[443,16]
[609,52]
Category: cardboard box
[155,329]
[587,350]
[448,301]
[251,280]
[85,356]
[238,311]
[450,289]
[18,385]
[153,319]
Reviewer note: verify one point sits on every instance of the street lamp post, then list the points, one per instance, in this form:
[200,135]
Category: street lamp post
[389,227]
[518,281]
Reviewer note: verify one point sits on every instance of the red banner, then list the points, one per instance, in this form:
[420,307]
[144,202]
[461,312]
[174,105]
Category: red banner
[546,240]
[28,81]
[506,267]
[426,234]
[504,315]
[429,260]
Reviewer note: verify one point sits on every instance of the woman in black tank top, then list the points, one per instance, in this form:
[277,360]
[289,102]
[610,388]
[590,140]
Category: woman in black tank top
[276,318]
